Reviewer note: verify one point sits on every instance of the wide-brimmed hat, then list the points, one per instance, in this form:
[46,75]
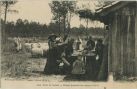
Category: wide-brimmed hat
[52,36]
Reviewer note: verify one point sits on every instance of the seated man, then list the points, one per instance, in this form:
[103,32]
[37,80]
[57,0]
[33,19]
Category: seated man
[66,57]
[64,65]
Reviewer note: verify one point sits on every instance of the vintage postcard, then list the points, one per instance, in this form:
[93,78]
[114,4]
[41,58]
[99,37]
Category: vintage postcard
[78,44]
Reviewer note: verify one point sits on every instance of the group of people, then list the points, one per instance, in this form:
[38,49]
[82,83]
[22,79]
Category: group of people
[58,55]
[61,60]
[90,59]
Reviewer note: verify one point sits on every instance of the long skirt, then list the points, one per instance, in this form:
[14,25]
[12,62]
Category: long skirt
[51,66]
[91,68]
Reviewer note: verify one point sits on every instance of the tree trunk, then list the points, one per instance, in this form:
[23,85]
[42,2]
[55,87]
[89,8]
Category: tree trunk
[69,23]
[58,20]
[64,25]
[6,8]
[4,25]
[87,27]
[59,27]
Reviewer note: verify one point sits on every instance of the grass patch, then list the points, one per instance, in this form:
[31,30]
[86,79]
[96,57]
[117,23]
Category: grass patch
[15,65]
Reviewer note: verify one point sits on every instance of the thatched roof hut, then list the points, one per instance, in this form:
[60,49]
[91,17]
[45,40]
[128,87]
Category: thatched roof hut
[121,17]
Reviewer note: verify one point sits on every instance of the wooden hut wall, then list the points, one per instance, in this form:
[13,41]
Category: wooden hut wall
[122,42]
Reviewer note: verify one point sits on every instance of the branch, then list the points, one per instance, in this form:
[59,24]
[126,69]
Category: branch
[13,11]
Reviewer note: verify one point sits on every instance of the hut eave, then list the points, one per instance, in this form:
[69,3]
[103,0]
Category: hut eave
[104,12]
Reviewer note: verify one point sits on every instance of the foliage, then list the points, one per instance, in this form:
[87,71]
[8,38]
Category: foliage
[6,4]
[62,8]
[87,13]
[62,12]
[24,28]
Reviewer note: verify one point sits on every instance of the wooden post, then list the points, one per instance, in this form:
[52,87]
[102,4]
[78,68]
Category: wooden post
[136,40]
[112,49]
[0,39]
[128,46]
[110,73]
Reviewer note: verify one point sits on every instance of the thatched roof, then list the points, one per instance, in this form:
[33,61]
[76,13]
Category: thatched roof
[104,10]
[86,13]
[106,13]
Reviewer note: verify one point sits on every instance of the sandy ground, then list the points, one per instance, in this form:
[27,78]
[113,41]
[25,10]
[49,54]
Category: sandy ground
[33,66]
[21,66]
[37,79]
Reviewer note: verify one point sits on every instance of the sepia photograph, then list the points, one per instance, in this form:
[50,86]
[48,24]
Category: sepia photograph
[68,40]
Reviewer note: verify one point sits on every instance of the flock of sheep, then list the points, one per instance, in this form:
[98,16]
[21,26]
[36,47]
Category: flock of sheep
[36,49]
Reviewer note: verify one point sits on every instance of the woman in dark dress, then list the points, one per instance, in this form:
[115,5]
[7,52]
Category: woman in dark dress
[99,51]
[51,64]
[53,59]
[90,60]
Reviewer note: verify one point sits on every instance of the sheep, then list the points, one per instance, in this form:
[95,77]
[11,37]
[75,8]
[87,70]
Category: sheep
[36,51]
[27,47]
[44,46]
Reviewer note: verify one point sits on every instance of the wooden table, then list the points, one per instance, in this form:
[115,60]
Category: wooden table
[85,55]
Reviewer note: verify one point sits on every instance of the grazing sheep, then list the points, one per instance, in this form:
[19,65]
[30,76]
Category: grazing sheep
[27,47]
[44,46]
[36,51]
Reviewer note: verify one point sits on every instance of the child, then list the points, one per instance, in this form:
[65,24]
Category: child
[78,67]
